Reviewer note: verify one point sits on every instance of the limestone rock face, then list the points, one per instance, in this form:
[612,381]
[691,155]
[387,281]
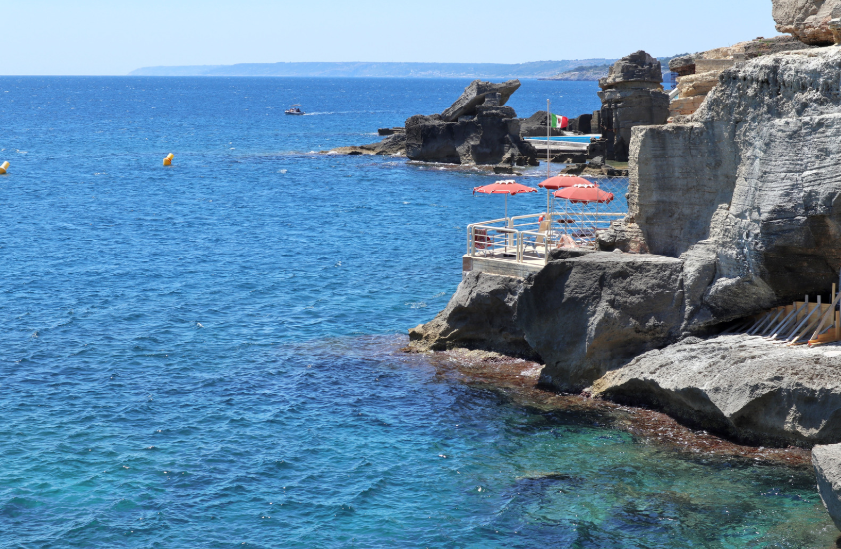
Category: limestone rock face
[807,20]
[591,314]
[739,386]
[638,70]
[827,463]
[755,174]
[474,95]
[480,315]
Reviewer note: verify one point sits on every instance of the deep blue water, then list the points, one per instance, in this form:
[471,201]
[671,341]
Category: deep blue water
[206,355]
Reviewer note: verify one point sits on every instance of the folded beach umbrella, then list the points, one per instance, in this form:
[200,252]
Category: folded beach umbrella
[508,187]
[560,181]
[588,193]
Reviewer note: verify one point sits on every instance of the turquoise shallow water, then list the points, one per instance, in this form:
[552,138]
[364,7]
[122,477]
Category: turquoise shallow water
[206,356]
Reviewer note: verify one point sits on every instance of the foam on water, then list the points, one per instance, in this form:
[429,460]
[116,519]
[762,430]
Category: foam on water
[206,356]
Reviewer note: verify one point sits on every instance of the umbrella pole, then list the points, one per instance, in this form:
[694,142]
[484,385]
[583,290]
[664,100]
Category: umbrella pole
[548,136]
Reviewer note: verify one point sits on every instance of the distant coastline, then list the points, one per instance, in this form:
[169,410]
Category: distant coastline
[536,69]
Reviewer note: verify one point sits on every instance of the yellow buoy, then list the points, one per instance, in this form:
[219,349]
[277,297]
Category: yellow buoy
[3,168]
[168,160]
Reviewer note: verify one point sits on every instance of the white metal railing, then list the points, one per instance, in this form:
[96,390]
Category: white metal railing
[526,237]
[485,240]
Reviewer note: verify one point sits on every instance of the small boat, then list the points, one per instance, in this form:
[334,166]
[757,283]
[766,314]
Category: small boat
[295,110]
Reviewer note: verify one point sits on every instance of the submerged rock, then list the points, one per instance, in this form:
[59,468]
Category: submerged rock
[394,145]
[827,463]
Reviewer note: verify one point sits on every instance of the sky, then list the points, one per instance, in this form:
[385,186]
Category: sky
[114,37]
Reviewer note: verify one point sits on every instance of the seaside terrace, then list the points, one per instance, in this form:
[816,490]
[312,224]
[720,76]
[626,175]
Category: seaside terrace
[520,245]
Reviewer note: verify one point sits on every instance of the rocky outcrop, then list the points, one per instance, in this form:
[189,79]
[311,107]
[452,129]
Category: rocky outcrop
[394,145]
[638,70]
[536,126]
[475,95]
[490,137]
[808,20]
[478,129]
[755,174]
[683,65]
[631,95]
[827,463]
[739,386]
[480,315]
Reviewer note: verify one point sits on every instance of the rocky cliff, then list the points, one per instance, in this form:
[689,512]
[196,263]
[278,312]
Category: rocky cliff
[755,174]
[741,209]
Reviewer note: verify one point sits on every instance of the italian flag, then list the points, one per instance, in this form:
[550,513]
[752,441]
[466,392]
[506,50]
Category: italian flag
[559,121]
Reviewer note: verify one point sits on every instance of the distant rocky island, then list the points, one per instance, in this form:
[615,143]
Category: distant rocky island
[536,69]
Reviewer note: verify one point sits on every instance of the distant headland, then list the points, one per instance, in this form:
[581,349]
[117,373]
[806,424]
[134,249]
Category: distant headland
[536,69]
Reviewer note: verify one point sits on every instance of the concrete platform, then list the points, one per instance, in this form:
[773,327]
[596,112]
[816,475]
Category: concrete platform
[502,266]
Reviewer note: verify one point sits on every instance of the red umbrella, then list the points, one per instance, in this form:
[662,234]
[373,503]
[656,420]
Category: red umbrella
[560,181]
[585,194]
[508,187]
[563,181]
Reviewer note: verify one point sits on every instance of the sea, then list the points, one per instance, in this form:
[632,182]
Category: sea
[208,355]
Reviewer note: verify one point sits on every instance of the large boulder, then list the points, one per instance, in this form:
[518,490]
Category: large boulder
[480,315]
[739,386]
[807,20]
[588,315]
[827,463]
[474,96]
[753,175]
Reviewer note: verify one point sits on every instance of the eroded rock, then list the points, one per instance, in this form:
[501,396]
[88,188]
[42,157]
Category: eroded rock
[638,70]
[807,20]
[490,137]
[474,96]
[743,387]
